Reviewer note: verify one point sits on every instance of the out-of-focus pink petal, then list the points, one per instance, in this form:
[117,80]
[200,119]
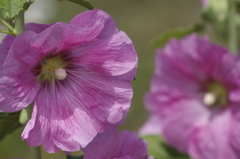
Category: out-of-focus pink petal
[204,3]
[181,121]
[212,140]
[184,68]
[151,127]
[117,146]
[192,66]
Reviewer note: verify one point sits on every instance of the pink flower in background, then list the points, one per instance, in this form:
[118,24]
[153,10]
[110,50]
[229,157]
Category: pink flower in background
[195,93]
[204,3]
[126,145]
[76,75]
[151,127]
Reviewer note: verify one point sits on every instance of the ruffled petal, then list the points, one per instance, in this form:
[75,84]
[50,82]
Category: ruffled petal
[123,145]
[194,65]
[111,53]
[183,69]
[212,140]
[124,157]
[110,56]
[61,37]
[37,28]
[3,55]
[18,84]
[62,122]
[106,97]
[7,41]
[234,128]
[95,17]
[179,116]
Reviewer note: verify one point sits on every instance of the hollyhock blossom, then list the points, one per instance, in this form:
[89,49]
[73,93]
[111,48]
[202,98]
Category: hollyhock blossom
[195,93]
[77,77]
[126,145]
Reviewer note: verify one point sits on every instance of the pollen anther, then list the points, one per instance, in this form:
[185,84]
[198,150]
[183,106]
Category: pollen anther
[209,99]
[60,73]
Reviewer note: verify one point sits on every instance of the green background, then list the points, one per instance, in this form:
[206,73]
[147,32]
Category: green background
[142,20]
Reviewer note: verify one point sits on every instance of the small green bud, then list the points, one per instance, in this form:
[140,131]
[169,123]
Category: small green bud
[220,8]
[23,118]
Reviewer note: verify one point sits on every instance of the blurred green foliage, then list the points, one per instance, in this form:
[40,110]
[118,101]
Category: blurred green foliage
[158,148]
[9,122]
[143,21]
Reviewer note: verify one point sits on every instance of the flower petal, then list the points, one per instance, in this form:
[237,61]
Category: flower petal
[151,127]
[234,127]
[61,37]
[212,140]
[3,54]
[106,97]
[120,146]
[193,65]
[179,116]
[18,85]
[62,122]
[110,56]
[95,17]
[37,28]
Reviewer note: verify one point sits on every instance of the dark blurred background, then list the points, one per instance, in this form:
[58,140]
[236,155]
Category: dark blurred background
[142,20]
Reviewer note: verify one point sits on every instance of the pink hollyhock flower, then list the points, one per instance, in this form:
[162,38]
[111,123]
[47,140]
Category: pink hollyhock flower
[195,93]
[125,145]
[76,75]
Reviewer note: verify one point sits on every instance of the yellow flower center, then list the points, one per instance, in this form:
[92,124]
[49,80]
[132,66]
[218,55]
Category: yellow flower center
[52,68]
[216,94]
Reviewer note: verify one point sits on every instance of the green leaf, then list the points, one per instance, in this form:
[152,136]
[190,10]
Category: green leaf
[220,8]
[158,149]
[84,3]
[176,33]
[74,157]
[13,7]
[3,114]
[9,123]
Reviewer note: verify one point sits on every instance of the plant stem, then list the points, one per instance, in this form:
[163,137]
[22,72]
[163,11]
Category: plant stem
[20,27]
[9,27]
[19,22]
[4,31]
[232,36]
